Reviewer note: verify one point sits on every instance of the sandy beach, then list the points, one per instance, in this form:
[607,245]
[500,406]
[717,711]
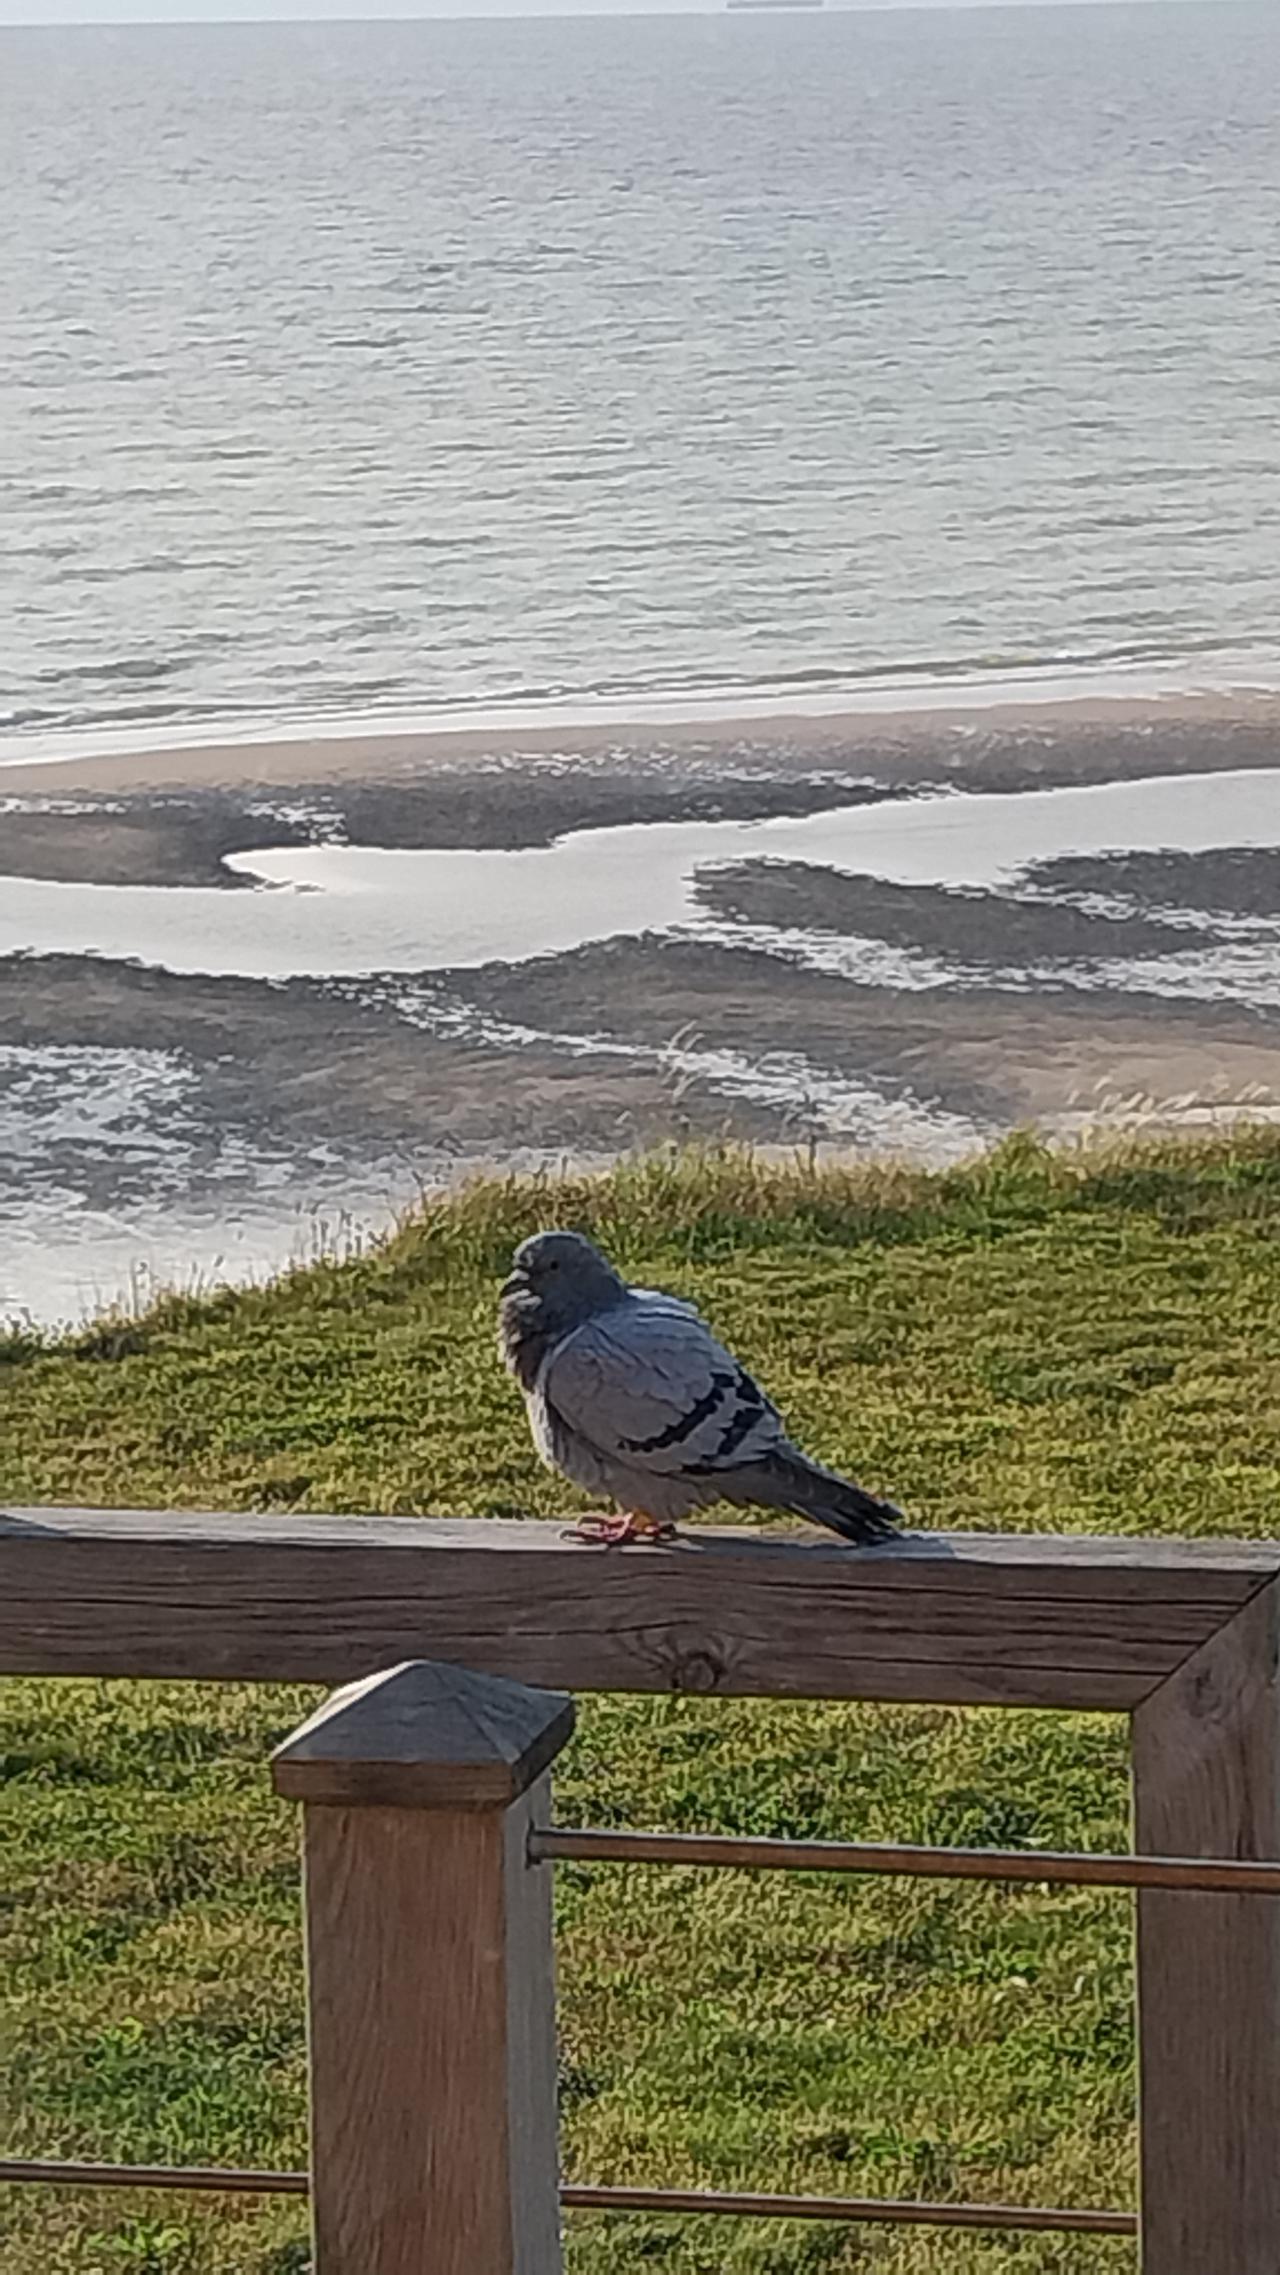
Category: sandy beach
[166,1079]
[174,815]
[289,755]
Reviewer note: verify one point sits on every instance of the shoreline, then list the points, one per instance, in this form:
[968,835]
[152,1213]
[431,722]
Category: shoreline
[161,1126]
[791,734]
[808,999]
[141,821]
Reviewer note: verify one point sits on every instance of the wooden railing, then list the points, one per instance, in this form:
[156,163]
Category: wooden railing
[425,1793]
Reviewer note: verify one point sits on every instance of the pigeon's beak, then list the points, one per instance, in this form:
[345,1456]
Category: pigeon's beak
[516,1285]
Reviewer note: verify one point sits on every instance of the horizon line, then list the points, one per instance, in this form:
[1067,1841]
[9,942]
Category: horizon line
[500,12]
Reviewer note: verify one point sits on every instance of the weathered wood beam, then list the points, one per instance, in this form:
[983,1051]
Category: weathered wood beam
[1206,1778]
[958,1619]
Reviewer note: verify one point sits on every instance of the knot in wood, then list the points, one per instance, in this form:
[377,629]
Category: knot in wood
[696,1670]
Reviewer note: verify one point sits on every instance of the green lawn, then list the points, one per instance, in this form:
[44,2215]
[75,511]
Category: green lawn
[1086,1344]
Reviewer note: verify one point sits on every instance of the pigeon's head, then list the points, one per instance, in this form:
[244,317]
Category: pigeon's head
[560,1279]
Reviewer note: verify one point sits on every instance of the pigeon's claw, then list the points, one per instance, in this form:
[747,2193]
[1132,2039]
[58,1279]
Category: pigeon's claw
[617,1532]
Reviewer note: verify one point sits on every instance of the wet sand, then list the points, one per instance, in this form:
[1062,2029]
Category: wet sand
[997,1055]
[969,926]
[309,1069]
[173,817]
[189,1118]
[1232,881]
[616,1045]
[286,759]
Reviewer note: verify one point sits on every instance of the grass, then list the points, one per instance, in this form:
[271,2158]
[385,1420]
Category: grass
[1087,1342]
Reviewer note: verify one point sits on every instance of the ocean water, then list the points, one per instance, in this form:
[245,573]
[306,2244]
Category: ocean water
[376,368]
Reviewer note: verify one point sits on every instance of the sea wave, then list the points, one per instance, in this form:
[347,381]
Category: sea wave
[35,735]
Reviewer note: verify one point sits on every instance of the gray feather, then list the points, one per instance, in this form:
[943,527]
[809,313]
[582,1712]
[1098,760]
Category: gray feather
[789,1480]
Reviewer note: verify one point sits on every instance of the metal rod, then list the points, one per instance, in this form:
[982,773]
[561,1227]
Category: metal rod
[870,2209]
[1208,1876]
[226,2180]
[686,2201]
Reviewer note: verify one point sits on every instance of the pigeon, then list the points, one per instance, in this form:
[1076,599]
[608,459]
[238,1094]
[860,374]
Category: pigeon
[630,1395]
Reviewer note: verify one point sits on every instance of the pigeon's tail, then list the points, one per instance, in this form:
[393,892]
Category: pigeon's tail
[788,1480]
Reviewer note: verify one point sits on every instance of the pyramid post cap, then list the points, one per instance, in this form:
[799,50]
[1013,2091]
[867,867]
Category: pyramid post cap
[424,1735]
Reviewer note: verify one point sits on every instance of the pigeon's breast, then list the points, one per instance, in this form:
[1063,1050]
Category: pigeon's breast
[524,1339]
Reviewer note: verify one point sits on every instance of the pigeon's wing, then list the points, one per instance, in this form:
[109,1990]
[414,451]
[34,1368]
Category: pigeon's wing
[649,1386]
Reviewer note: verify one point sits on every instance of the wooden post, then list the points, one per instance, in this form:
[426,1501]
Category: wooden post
[1206,1762]
[430,1973]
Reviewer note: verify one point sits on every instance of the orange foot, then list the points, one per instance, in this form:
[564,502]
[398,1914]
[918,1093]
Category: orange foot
[616,1532]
